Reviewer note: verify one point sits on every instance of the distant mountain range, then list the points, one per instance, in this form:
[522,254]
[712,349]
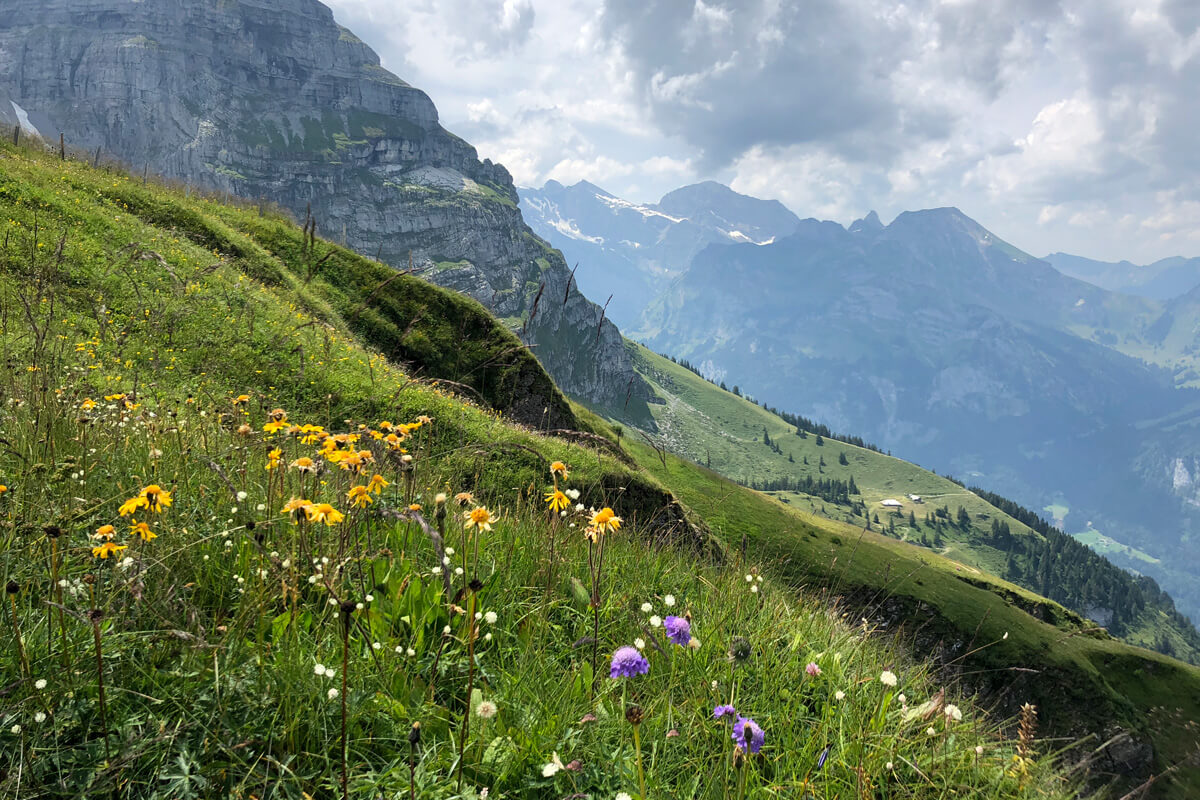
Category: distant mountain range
[930,336]
[633,251]
[1163,280]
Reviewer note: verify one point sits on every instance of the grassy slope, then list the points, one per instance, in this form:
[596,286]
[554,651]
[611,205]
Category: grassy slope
[1083,679]
[708,425]
[211,632]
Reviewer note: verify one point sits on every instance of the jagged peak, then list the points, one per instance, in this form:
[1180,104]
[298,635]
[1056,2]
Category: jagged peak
[868,224]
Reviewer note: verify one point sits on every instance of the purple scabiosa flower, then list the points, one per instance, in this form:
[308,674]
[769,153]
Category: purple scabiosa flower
[812,669]
[724,711]
[748,736]
[679,630]
[628,662]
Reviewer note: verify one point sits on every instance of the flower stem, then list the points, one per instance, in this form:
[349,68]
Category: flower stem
[637,747]
[96,615]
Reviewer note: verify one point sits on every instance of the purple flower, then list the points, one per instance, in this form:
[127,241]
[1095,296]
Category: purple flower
[812,669]
[628,662]
[748,736]
[679,630]
[724,711]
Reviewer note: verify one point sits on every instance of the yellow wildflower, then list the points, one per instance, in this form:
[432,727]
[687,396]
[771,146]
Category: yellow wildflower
[323,512]
[414,506]
[241,399]
[377,483]
[479,518]
[142,530]
[273,458]
[132,505]
[156,497]
[605,521]
[295,504]
[464,498]
[560,469]
[278,421]
[304,464]
[105,532]
[107,549]
[114,397]
[360,496]
[557,500]
[88,404]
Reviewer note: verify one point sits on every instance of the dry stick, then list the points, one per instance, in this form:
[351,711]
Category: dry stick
[347,610]
[472,604]
[96,615]
[12,588]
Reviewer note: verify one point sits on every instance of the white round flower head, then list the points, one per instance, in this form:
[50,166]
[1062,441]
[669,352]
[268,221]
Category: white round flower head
[839,695]
[446,631]
[449,551]
[749,579]
[261,507]
[887,678]
[759,578]
[446,560]
[241,496]
[287,563]
[358,606]
[333,693]
[890,766]
[639,643]
[693,643]
[713,686]
[330,672]
[39,717]
[478,616]
[579,508]
[490,617]
[978,749]
[436,570]
[458,570]
[656,621]
[370,598]
[399,650]
[333,602]
[647,608]
[930,731]
[953,712]
[573,494]
[754,589]
[16,729]
[319,669]
[903,700]
[486,709]
[669,600]
[622,796]
[487,637]
[410,652]
[312,578]
[39,684]
[376,645]
[548,771]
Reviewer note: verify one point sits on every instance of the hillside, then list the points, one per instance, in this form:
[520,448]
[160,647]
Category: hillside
[273,99]
[177,362]
[759,448]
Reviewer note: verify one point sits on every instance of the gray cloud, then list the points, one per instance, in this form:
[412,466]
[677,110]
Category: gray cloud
[854,76]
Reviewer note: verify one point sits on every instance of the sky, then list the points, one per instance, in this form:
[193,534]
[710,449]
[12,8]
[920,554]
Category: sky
[1060,125]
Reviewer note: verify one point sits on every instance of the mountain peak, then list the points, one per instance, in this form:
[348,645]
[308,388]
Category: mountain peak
[868,224]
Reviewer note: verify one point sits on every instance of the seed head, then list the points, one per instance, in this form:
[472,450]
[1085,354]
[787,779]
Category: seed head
[414,734]
[12,587]
[634,715]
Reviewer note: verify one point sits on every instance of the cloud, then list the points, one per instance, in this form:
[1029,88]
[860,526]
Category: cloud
[1061,124]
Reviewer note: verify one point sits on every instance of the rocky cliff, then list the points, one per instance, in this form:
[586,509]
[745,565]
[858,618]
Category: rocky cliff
[273,99]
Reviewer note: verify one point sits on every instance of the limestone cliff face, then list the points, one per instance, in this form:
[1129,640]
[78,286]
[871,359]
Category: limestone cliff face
[273,99]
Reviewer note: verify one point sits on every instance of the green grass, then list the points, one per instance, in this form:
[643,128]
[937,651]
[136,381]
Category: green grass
[1105,544]
[1085,680]
[129,342]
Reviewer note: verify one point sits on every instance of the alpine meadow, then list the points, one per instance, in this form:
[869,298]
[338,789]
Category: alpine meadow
[339,461]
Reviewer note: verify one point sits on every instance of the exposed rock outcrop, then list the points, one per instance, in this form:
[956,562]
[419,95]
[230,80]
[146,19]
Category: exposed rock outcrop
[273,99]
